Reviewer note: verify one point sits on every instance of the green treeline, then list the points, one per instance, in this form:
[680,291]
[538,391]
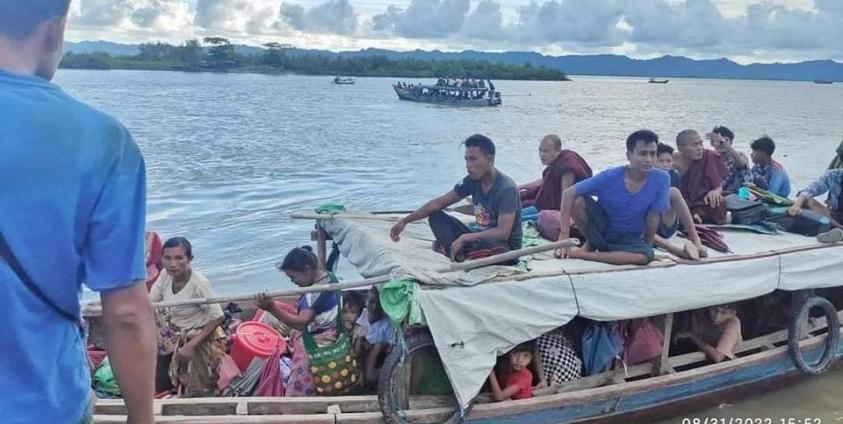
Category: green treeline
[218,54]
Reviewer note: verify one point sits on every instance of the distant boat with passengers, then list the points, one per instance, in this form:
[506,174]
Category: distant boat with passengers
[658,81]
[343,80]
[451,92]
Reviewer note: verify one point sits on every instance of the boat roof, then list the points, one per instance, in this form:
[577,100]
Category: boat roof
[448,88]
[474,319]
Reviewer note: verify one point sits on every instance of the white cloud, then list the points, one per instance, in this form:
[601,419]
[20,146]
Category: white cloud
[581,21]
[332,17]
[237,16]
[141,15]
[707,28]
[485,21]
[424,18]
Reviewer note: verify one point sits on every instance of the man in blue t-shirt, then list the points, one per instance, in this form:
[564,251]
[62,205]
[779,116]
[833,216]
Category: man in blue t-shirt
[766,172]
[497,208]
[621,224]
[72,211]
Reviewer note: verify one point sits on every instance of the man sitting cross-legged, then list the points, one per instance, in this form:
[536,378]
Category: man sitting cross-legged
[621,224]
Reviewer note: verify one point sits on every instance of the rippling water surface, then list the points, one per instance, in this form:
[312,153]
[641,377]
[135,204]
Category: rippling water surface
[230,157]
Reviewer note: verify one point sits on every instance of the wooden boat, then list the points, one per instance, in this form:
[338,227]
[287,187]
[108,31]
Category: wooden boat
[639,393]
[823,82]
[343,80]
[658,81]
[448,96]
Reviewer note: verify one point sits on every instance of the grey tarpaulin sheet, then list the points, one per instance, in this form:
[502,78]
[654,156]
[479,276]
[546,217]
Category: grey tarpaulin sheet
[473,323]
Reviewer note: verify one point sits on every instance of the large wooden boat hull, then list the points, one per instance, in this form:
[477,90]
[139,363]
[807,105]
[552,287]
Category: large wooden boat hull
[645,400]
[405,94]
[627,402]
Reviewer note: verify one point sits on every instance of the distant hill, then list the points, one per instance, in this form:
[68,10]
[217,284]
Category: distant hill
[613,65]
[117,49]
[114,49]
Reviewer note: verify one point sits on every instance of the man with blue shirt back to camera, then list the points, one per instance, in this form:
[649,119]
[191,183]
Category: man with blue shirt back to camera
[72,211]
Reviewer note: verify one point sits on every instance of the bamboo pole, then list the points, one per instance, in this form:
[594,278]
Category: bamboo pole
[95,310]
[345,215]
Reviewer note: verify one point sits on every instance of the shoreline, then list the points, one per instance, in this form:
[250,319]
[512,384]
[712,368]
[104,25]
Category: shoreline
[271,71]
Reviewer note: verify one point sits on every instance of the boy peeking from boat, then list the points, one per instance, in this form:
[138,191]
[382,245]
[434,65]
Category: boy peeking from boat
[620,226]
[497,209]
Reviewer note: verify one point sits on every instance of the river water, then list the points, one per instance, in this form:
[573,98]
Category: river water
[231,156]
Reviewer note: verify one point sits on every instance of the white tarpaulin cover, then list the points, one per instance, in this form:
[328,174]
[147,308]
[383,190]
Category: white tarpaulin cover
[473,323]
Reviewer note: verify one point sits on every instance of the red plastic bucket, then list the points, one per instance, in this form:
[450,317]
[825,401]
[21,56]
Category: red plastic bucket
[254,339]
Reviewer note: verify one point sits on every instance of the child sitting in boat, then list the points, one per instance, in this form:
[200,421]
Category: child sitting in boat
[379,338]
[516,377]
[678,215]
[352,317]
[719,335]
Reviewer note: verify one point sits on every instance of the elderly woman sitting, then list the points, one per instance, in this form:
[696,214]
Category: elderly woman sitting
[190,341]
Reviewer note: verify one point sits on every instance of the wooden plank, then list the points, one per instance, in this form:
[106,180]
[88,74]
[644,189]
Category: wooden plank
[201,408]
[321,246]
[312,405]
[668,330]
[211,419]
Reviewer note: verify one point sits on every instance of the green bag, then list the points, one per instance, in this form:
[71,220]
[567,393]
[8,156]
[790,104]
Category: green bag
[334,367]
[104,381]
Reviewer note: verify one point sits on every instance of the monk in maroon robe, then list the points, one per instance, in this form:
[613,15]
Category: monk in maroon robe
[564,168]
[702,175]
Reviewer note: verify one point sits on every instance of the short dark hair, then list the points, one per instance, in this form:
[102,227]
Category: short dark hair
[481,142]
[725,132]
[177,242]
[19,18]
[299,259]
[663,148]
[764,144]
[523,347]
[647,136]
[353,298]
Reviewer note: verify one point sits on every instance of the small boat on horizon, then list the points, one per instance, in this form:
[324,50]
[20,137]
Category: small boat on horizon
[823,82]
[343,80]
[658,81]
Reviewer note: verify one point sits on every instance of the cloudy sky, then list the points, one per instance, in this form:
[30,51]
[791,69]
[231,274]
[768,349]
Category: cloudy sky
[744,30]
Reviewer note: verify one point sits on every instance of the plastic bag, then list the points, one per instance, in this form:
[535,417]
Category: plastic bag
[104,381]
